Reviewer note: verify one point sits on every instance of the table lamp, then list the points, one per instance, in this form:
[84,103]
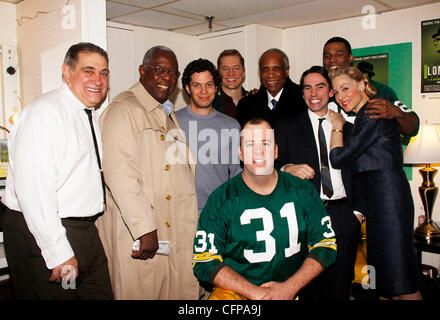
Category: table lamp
[425,148]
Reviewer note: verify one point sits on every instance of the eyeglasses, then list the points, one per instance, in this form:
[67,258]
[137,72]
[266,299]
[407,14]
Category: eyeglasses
[159,71]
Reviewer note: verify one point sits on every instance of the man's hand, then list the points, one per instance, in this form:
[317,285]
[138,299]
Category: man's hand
[278,291]
[147,247]
[408,121]
[302,171]
[381,108]
[65,270]
[252,92]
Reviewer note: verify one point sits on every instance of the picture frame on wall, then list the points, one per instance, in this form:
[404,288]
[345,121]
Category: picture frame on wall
[430,77]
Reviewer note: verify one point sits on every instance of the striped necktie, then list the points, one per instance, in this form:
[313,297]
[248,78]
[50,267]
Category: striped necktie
[326,181]
[274,103]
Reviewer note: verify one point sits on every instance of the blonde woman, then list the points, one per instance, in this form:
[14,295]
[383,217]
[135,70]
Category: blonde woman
[373,150]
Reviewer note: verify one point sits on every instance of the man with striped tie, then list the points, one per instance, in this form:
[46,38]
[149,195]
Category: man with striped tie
[278,96]
[307,158]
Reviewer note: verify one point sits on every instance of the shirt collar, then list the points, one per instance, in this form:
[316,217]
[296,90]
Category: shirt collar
[76,105]
[313,116]
[277,97]
[167,107]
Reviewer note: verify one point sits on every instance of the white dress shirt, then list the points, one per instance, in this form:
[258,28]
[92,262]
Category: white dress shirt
[167,107]
[277,98]
[335,174]
[53,170]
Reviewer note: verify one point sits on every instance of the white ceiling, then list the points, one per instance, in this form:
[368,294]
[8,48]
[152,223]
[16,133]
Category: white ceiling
[189,16]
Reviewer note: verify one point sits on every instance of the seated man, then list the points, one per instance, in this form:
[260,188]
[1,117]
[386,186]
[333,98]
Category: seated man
[263,234]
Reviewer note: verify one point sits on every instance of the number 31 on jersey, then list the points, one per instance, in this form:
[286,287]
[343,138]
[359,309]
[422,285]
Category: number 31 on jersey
[287,211]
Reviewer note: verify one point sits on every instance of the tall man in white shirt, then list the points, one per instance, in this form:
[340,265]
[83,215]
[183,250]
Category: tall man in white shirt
[54,188]
[303,148]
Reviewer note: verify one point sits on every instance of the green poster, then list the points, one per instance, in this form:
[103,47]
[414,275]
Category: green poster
[431,56]
[374,66]
[399,73]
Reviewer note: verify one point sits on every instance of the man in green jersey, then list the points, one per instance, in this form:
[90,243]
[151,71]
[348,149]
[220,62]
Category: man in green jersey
[263,234]
[337,53]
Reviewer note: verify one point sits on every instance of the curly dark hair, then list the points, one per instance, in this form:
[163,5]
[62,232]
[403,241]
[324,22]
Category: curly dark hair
[199,65]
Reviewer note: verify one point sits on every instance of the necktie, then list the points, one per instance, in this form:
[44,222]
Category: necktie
[326,181]
[89,114]
[274,104]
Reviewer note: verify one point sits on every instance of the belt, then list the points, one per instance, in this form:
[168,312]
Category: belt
[89,219]
[334,202]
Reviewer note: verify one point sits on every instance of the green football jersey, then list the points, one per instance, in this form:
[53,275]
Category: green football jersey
[262,237]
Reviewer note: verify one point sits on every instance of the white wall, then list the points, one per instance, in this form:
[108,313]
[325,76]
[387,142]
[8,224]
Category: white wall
[184,47]
[43,41]
[259,39]
[46,29]
[8,25]
[121,47]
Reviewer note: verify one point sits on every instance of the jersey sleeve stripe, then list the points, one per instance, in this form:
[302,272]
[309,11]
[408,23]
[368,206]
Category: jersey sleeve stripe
[327,243]
[206,257]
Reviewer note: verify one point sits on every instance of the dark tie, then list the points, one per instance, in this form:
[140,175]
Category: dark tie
[89,114]
[326,181]
[274,104]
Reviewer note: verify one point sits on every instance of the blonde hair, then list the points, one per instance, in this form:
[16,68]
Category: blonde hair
[355,74]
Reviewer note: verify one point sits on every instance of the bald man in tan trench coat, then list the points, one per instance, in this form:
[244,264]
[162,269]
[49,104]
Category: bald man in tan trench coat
[150,188]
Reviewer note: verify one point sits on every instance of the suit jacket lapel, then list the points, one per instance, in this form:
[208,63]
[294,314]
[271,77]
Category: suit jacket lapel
[312,149]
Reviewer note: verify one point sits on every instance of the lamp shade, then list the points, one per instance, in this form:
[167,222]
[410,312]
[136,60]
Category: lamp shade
[425,146]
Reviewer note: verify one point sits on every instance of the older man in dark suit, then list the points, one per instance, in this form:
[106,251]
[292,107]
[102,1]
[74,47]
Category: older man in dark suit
[303,142]
[278,96]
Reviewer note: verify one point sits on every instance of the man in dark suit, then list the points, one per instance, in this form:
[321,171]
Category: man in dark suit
[303,148]
[278,96]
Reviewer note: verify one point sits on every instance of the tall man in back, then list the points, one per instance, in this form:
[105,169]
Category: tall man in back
[151,197]
[212,136]
[278,96]
[54,188]
[337,53]
[303,143]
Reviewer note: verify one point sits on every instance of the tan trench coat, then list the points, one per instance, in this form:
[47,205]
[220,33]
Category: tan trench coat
[147,190]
